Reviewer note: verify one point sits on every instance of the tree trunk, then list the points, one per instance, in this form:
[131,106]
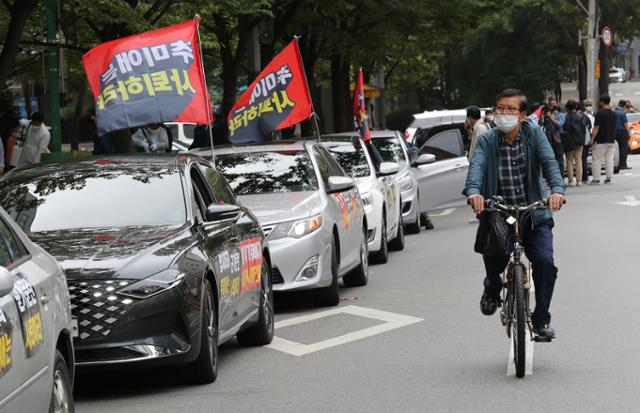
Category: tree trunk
[342,113]
[20,12]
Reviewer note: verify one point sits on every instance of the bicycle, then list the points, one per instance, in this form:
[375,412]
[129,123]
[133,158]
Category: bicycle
[515,313]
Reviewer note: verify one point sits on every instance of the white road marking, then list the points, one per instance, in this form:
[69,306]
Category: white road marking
[618,94]
[636,93]
[444,213]
[392,321]
[528,363]
[630,200]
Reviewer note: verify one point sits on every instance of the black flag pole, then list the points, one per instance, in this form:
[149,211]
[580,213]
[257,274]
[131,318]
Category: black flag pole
[314,115]
[207,100]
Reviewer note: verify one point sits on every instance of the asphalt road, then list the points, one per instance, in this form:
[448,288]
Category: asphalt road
[446,357]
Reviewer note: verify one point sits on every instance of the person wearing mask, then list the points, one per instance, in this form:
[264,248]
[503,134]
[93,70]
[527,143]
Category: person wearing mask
[586,112]
[550,128]
[573,142]
[513,161]
[151,138]
[473,118]
[623,132]
[36,141]
[603,141]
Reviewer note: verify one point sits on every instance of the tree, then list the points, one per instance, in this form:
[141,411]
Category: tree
[19,12]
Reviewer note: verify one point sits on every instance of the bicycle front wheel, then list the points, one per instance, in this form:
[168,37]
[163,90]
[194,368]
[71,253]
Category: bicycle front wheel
[520,322]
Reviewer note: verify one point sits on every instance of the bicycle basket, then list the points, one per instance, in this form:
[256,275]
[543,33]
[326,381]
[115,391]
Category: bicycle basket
[493,233]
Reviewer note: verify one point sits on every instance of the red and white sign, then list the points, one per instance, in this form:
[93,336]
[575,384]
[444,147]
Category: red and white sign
[607,36]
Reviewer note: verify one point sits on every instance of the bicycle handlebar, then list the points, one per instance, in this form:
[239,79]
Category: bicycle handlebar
[498,202]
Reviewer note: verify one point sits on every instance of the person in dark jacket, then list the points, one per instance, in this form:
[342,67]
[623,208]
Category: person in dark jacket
[511,161]
[573,142]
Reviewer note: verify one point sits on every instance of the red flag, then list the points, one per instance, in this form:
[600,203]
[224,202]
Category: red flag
[278,98]
[148,78]
[360,109]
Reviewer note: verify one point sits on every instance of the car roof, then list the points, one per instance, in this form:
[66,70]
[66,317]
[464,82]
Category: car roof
[285,145]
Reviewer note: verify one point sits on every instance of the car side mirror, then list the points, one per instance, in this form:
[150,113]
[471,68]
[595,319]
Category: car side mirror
[221,212]
[339,184]
[388,168]
[6,282]
[424,159]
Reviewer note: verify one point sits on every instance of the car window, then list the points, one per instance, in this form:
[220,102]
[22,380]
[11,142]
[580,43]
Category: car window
[86,195]
[444,145]
[332,165]
[351,157]
[203,188]
[11,249]
[221,190]
[189,131]
[390,149]
[267,172]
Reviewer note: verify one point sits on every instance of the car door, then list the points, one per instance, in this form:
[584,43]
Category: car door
[441,182]
[221,245]
[26,329]
[249,243]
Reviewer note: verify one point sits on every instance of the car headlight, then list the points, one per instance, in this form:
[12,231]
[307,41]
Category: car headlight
[296,229]
[405,183]
[367,198]
[156,284]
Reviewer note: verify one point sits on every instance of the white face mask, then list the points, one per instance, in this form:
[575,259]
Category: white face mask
[506,123]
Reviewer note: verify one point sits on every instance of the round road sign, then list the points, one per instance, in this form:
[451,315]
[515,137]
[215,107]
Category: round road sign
[607,36]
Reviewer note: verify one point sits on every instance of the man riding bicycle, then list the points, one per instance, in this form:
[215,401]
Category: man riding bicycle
[511,161]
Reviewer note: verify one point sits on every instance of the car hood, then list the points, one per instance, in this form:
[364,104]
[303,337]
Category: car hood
[125,252]
[278,207]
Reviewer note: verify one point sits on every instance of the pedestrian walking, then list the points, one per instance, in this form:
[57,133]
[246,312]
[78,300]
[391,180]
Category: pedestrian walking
[151,138]
[573,143]
[511,161]
[586,112]
[603,141]
[36,140]
[623,132]
[550,127]
[473,117]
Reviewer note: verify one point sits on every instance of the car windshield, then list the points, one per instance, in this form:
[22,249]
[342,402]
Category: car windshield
[267,172]
[92,194]
[352,159]
[390,149]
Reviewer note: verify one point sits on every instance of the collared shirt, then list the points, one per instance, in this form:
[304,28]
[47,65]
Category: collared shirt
[512,170]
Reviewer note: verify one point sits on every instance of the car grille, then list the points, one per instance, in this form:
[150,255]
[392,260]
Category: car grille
[276,276]
[106,354]
[96,306]
[267,229]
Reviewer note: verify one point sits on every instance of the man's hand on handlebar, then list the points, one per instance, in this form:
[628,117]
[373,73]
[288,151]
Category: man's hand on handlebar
[556,201]
[476,202]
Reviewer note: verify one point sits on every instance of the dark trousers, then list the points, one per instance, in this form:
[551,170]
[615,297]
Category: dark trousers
[623,144]
[558,150]
[585,170]
[538,245]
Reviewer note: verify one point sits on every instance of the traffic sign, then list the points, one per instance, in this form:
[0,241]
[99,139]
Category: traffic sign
[607,36]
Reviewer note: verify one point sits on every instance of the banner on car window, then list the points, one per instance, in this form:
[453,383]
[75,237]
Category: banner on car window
[148,78]
[30,315]
[5,344]
[277,99]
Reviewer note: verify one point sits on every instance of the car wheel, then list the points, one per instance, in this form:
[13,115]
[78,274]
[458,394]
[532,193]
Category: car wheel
[61,395]
[382,256]
[329,296]
[205,368]
[397,244]
[415,227]
[359,276]
[261,333]
[426,221]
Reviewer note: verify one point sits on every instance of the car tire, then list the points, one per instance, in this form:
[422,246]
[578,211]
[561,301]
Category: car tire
[62,393]
[205,368]
[397,244]
[261,333]
[426,221]
[359,276]
[415,227]
[381,256]
[329,296]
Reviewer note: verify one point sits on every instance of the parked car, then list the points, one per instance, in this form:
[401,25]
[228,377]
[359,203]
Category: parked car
[310,211]
[36,328]
[634,138]
[379,192]
[438,119]
[163,265]
[617,74]
[183,132]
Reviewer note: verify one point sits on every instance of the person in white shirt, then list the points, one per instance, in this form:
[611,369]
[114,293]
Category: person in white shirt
[36,142]
[151,138]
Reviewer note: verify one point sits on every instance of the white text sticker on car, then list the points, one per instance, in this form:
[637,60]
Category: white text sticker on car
[5,344]
[30,316]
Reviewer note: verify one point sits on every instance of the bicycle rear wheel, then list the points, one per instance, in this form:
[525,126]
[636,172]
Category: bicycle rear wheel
[520,321]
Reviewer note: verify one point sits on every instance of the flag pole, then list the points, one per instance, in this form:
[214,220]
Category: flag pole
[204,79]
[314,115]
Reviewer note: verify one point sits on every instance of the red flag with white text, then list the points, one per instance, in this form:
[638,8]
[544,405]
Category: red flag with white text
[360,110]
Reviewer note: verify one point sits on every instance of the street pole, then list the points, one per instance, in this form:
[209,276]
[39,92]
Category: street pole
[592,47]
[53,75]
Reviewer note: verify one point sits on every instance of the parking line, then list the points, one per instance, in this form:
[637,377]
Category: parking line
[444,213]
[528,366]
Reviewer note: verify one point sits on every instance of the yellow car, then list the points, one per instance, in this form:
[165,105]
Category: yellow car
[634,139]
